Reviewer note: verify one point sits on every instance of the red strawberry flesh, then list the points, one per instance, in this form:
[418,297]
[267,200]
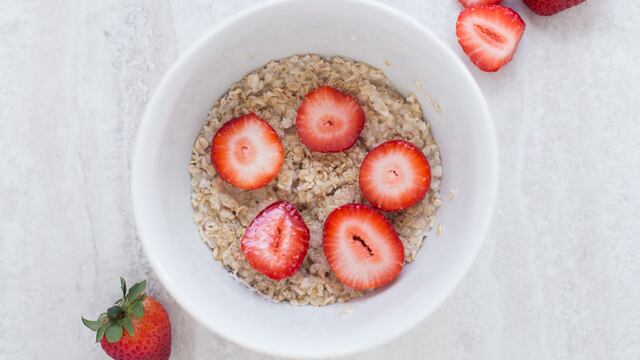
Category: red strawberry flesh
[277,240]
[470,3]
[395,175]
[489,35]
[328,120]
[362,247]
[550,7]
[247,152]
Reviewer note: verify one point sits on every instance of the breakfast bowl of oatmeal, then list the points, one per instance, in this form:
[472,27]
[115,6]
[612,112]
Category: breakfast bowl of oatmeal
[314,178]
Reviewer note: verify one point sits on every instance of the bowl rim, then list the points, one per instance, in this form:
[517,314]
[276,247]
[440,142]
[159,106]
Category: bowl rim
[146,123]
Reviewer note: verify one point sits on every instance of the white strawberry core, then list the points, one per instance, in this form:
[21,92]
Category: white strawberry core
[393,177]
[365,255]
[331,124]
[254,154]
[393,174]
[246,151]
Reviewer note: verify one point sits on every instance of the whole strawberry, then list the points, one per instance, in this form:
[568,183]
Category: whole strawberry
[136,327]
[550,7]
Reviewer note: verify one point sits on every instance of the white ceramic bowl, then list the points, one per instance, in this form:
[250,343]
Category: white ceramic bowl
[360,30]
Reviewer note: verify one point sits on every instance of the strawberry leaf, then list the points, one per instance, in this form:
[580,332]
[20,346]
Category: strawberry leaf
[92,324]
[101,331]
[113,333]
[114,312]
[135,291]
[128,325]
[137,310]
[123,286]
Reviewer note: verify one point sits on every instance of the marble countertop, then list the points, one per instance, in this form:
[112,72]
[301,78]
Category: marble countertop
[559,274]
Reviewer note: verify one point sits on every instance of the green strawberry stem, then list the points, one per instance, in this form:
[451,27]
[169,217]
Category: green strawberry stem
[119,316]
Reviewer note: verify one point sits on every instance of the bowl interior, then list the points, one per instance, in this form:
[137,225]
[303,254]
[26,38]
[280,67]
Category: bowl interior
[364,31]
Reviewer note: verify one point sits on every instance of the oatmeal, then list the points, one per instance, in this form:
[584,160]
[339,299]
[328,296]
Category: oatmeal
[316,183]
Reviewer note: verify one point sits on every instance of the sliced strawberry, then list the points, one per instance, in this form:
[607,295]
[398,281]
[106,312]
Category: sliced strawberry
[328,120]
[362,247]
[489,35]
[276,241]
[470,3]
[550,7]
[247,152]
[395,175]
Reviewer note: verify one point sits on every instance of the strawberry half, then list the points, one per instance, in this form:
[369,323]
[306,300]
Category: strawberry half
[276,241]
[489,35]
[328,120]
[550,7]
[362,247]
[395,175]
[470,3]
[247,152]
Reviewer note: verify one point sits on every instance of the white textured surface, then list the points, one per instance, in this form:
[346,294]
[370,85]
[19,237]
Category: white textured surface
[558,277]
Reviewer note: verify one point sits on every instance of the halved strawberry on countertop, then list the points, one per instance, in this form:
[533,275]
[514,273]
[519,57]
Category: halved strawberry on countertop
[328,120]
[362,247]
[489,35]
[470,3]
[276,241]
[247,152]
[395,175]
